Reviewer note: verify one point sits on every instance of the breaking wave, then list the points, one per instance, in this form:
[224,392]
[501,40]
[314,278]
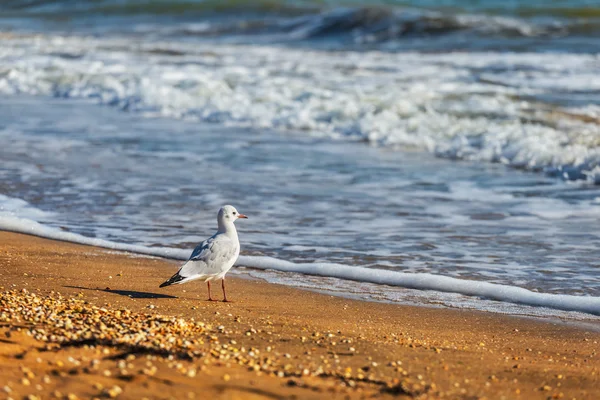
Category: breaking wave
[533,111]
[339,23]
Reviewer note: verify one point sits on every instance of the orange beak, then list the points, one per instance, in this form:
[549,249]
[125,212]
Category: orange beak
[242,216]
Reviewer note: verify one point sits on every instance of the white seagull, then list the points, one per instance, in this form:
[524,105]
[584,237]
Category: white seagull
[212,258]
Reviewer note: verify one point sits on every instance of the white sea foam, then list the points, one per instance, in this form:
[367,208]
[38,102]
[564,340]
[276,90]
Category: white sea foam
[425,281]
[421,281]
[10,206]
[478,106]
[30,227]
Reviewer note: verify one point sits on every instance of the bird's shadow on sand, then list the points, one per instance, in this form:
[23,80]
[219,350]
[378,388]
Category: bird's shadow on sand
[133,294]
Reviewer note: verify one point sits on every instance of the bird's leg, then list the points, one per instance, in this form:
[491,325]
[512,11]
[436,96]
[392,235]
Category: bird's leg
[224,294]
[209,297]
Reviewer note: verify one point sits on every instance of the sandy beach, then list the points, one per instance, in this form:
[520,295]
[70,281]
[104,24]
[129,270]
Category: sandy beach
[421,180]
[83,322]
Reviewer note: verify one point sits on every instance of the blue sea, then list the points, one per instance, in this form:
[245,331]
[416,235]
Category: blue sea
[440,153]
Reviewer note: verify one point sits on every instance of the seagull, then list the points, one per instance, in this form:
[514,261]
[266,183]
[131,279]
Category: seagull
[212,258]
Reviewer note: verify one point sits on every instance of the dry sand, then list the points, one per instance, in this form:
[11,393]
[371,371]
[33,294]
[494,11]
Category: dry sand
[82,322]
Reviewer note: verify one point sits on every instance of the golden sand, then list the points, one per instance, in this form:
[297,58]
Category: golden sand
[82,322]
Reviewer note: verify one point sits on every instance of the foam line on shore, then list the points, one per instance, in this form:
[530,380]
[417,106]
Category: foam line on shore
[425,281]
[30,227]
[422,281]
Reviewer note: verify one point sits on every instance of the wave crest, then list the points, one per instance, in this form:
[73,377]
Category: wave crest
[477,106]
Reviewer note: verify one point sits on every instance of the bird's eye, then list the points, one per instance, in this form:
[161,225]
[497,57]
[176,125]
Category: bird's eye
[234,213]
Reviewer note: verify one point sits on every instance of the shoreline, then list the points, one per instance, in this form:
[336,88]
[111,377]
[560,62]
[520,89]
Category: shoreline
[478,296]
[331,346]
[591,323]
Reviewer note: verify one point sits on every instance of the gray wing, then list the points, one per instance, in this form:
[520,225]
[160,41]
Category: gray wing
[201,250]
[209,257]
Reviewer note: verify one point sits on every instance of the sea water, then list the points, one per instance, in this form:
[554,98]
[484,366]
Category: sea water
[441,156]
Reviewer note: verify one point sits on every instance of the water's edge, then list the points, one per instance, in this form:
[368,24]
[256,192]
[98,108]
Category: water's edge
[419,281]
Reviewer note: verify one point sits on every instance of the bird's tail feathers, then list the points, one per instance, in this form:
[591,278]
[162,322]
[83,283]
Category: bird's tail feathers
[173,280]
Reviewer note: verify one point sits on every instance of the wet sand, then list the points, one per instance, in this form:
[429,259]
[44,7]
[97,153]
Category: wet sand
[83,322]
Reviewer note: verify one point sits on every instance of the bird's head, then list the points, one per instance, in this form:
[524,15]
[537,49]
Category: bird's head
[229,214]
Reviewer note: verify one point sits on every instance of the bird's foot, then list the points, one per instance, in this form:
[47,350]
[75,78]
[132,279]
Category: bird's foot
[211,299]
[226,301]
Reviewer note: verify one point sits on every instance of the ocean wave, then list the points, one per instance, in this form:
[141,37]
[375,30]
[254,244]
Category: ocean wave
[9,221]
[516,109]
[369,26]
[377,25]
[532,8]
[334,24]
